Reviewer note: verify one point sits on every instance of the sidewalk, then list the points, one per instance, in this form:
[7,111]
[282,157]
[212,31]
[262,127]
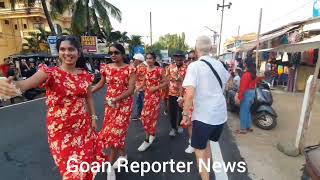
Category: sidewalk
[259,148]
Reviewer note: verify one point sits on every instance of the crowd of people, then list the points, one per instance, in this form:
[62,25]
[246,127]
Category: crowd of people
[191,88]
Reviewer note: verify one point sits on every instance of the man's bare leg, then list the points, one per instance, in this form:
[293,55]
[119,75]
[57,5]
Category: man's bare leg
[205,155]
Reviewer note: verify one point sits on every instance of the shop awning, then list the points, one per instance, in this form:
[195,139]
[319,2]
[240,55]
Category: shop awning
[312,43]
[251,44]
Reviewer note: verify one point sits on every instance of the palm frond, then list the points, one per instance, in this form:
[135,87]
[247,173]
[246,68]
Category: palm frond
[79,18]
[114,11]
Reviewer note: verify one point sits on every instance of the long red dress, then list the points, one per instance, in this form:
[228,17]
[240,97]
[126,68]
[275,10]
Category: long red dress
[151,106]
[116,119]
[70,133]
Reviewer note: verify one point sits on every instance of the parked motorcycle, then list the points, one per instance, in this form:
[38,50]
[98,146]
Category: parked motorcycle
[312,167]
[264,116]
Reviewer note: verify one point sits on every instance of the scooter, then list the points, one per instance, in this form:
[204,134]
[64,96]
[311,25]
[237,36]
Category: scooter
[312,166]
[264,115]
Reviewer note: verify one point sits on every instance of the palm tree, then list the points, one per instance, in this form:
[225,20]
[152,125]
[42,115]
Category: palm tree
[56,5]
[89,15]
[124,38]
[135,40]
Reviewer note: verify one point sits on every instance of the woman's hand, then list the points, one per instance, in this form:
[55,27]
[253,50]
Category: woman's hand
[153,89]
[94,119]
[94,124]
[237,100]
[186,121]
[7,89]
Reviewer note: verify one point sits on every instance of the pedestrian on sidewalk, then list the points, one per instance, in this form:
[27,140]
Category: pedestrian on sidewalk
[139,91]
[120,78]
[155,80]
[71,126]
[175,74]
[191,58]
[165,92]
[205,82]
[246,96]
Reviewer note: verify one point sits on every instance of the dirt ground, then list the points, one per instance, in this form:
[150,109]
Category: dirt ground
[258,148]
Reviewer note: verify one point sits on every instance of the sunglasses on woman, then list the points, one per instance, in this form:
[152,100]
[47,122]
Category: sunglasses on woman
[114,53]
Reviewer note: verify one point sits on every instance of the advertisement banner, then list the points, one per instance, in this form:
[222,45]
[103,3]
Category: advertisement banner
[52,41]
[89,44]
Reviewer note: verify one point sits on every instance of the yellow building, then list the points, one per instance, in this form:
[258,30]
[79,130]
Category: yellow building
[232,43]
[16,24]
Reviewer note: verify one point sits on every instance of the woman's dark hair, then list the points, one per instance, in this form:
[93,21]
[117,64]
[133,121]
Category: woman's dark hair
[239,71]
[251,67]
[74,41]
[154,56]
[120,48]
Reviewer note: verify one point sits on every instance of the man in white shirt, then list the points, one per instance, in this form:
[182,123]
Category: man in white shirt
[205,91]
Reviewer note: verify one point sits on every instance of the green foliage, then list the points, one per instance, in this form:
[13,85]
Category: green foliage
[92,17]
[135,40]
[35,40]
[172,42]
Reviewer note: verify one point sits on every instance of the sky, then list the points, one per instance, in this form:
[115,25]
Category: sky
[190,16]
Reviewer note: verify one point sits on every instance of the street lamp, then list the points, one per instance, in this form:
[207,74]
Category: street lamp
[215,34]
[222,12]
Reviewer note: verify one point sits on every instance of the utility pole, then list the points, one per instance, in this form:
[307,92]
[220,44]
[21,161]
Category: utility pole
[222,12]
[258,41]
[150,29]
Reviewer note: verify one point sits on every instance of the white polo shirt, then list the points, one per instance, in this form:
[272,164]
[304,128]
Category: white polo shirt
[209,102]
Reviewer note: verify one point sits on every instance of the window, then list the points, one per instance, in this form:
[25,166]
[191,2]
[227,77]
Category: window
[15,27]
[25,26]
[6,21]
[2,5]
[38,25]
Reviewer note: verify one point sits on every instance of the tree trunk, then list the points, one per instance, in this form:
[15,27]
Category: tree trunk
[88,18]
[47,14]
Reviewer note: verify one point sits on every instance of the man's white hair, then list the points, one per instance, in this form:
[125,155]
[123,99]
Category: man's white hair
[203,45]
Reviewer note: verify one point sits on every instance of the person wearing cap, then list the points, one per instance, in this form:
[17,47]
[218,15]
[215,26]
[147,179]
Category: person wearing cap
[191,57]
[176,73]
[138,63]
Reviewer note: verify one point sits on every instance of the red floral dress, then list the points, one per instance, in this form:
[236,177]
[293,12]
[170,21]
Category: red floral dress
[116,119]
[70,133]
[151,106]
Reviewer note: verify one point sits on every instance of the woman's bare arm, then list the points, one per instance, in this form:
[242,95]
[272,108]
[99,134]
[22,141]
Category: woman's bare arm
[99,85]
[130,91]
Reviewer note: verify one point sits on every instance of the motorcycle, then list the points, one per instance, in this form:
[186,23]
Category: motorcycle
[264,116]
[312,166]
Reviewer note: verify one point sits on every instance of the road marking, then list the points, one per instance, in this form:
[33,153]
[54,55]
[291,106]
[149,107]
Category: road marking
[217,156]
[22,103]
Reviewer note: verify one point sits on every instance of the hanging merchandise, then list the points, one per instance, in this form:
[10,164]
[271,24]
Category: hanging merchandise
[285,57]
[280,70]
[315,57]
[296,58]
[265,56]
[311,56]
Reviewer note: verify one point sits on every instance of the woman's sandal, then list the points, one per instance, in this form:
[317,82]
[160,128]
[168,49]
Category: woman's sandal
[239,131]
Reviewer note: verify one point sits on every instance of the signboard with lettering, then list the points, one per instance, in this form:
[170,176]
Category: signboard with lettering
[52,41]
[89,44]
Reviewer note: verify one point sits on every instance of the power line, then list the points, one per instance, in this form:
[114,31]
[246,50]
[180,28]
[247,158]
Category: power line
[278,18]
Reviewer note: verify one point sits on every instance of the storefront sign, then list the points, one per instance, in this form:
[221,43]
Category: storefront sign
[52,41]
[89,44]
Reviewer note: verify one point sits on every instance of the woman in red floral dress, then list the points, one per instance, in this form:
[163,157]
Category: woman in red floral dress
[155,80]
[71,126]
[120,79]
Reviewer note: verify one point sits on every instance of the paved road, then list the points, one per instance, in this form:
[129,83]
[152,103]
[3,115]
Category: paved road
[25,154]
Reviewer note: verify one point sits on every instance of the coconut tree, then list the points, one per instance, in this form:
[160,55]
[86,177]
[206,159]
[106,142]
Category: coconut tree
[90,15]
[56,6]
[135,40]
